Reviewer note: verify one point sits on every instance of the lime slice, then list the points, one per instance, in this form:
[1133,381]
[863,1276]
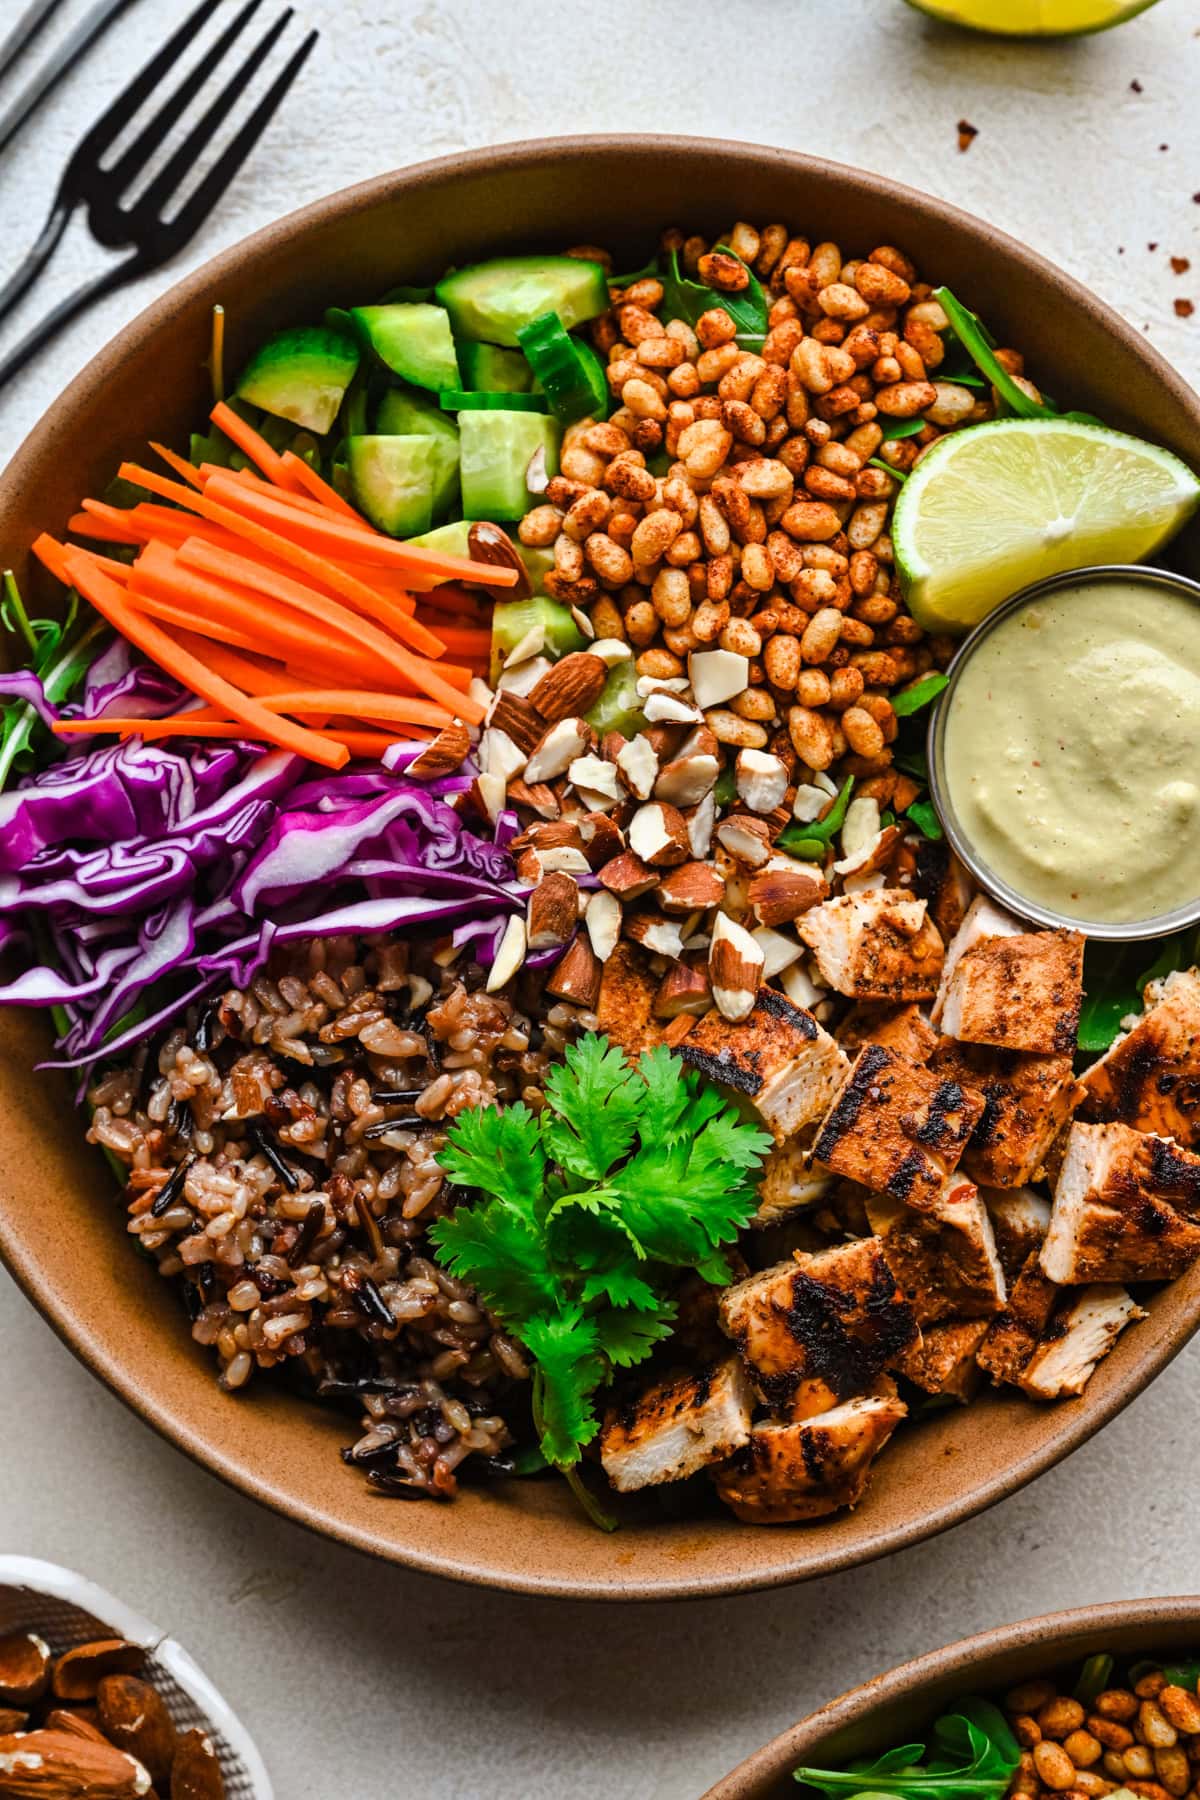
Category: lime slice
[1033,18]
[990,509]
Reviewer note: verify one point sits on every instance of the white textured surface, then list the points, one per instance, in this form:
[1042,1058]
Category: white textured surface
[366,1682]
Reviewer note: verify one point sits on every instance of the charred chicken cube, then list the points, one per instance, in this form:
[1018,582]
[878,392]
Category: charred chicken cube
[1126,1208]
[1076,1340]
[943,1360]
[1028,1098]
[1015,1334]
[904,1029]
[982,919]
[940,878]
[945,1260]
[625,1009]
[1019,993]
[676,1427]
[789,1472]
[878,944]
[790,1182]
[786,1064]
[896,1127]
[818,1329]
[1150,1078]
[1020,1220]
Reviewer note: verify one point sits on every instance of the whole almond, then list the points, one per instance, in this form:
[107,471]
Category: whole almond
[134,1717]
[78,1672]
[59,1765]
[196,1772]
[24,1669]
[570,687]
[488,543]
[79,1721]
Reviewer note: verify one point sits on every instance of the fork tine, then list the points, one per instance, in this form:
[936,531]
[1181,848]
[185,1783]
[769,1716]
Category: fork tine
[201,203]
[183,161]
[156,128]
[112,122]
[30,25]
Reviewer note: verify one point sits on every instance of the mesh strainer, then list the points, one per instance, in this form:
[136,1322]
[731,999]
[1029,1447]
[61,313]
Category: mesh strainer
[66,1609]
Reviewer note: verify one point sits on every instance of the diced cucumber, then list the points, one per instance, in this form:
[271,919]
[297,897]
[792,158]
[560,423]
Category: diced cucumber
[394,480]
[453,538]
[301,375]
[619,707]
[538,564]
[568,370]
[490,370]
[496,448]
[514,619]
[493,300]
[413,340]
[402,414]
[486,400]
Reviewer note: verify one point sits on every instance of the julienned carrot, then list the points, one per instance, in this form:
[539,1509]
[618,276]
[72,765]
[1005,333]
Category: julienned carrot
[367,744]
[103,530]
[470,641]
[251,443]
[320,568]
[358,705]
[317,486]
[110,601]
[182,467]
[246,672]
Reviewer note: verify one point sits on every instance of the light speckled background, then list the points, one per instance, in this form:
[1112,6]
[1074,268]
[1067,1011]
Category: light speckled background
[364,1682]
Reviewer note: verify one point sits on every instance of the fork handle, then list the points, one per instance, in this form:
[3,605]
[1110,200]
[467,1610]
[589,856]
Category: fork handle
[69,309]
[23,278]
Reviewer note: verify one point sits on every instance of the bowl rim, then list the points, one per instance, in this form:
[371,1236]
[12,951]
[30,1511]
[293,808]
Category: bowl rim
[70,1323]
[907,1680]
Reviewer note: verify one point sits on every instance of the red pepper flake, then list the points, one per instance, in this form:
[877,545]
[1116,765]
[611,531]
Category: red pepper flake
[1180,264]
[967,133]
[1164,146]
[1153,246]
[1135,87]
[1184,309]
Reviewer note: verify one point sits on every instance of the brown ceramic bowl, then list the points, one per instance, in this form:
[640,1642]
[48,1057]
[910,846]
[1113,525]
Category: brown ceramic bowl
[62,1230]
[899,1706]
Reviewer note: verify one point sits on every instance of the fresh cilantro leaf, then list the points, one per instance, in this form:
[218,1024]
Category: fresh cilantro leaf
[628,1337]
[597,1098]
[498,1253]
[499,1150]
[668,1098]
[566,1346]
[920,694]
[621,1286]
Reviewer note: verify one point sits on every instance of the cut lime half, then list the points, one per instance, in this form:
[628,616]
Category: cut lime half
[1033,18]
[992,508]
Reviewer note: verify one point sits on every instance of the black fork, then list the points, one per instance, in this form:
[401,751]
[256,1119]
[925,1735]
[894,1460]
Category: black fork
[145,226]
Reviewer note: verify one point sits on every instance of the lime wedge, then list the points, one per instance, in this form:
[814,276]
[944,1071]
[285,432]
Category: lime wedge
[990,509]
[1033,18]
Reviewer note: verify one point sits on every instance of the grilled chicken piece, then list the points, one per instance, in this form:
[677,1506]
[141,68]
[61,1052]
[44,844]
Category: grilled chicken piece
[1076,1340]
[625,1009]
[1015,1334]
[944,1261]
[1027,1100]
[942,1361]
[789,1181]
[941,879]
[676,1427]
[1020,993]
[800,1471]
[786,1064]
[1020,1221]
[1126,1208]
[897,1128]
[1150,1078]
[904,1029]
[982,919]
[818,1329]
[875,945]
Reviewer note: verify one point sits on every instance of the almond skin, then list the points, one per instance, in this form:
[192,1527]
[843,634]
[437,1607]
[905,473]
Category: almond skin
[577,976]
[682,990]
[691,887]
[78,1672]
[59,1765]
[553,911]
[134,1717]
[570,687]
[24,1669]
[512,714]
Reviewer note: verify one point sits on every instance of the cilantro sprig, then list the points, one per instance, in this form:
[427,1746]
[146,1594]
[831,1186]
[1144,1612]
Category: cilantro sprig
[583,1214]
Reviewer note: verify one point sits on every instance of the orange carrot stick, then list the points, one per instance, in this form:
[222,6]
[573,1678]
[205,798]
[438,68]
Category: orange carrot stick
[110,601]
[251,443]
[358,705]
[371,744]
[101,529]
[180,464]
[307,477]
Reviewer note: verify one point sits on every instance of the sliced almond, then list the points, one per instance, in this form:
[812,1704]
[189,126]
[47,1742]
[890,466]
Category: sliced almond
[800,987]
[660,684]
[24,1668]
[686,779]
[531,644]
[779,895]
[627,876]
[683,989]
[553,912]
[134,1717]
[591,774]
[735,967]
[779,951]
[692,887]
[59,1765]
[809,803]
[564,859]
[488,794]
[557,749]
[677,1029]
[522,679]
[513,714]
[746,838]
[577,976]
[700,741]
[761,780]
[549,834]
[571,686]
[655,934]
[611,651]
[700,821]
[196,1771]
[79,1672]
[658,834]
[603,922]
[509,956]
[602,838]
[536,796]
[499,755]
[637,762]
[530,867]
[670,709]
[717,676]
[582,623]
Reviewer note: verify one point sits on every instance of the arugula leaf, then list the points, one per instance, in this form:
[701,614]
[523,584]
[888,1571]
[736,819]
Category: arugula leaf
[1094,1677]
[686,299]
[923,814]
[58,658]
[1183,1674]
[980,346]
[1114,981]
[901,428]
[921,693]
[877,462]
[973,1752]
[812,840]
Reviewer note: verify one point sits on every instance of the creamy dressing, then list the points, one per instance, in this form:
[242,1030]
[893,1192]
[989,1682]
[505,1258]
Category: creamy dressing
[1072,751]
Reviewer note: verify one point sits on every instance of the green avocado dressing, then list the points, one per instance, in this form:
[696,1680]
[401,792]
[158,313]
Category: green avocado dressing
[1072,751]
